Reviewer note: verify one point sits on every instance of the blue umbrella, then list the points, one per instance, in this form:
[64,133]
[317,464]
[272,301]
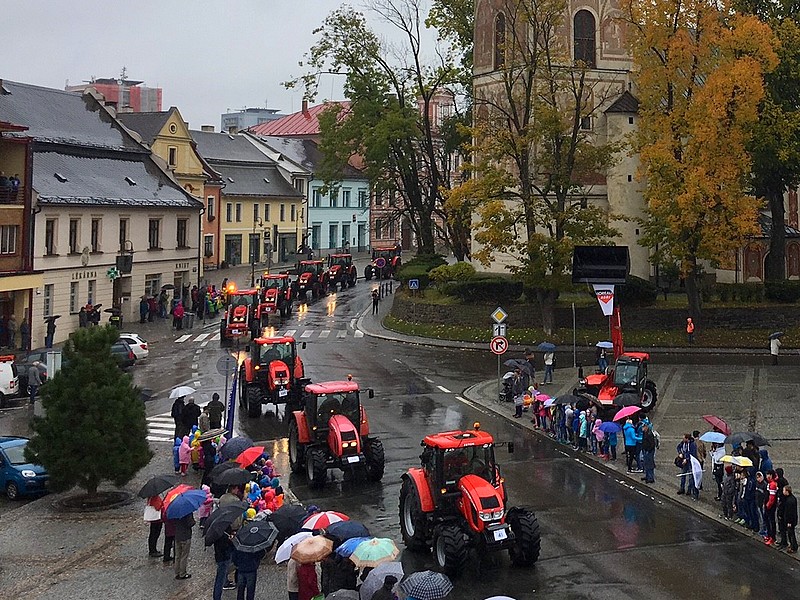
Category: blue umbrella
[345,530]
[348,547]
[713,437]
[185,504]
[610,427]
[605,345]
[546,347]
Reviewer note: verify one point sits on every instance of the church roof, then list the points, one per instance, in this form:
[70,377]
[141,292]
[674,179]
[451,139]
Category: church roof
[627,103]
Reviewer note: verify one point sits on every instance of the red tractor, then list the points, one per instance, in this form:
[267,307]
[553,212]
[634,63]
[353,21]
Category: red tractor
[272,373]
[239,318]
[628,376]
[341,271]
[331,431]
[310,277]
[457,501]
[385,263]
[275,297]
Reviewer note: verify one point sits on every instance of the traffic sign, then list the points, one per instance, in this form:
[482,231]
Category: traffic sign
[499,315]
[226,365]
[499,345]
[413,284]
[499,329]
[380,262]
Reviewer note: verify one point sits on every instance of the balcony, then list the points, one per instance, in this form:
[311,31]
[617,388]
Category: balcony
[9,196]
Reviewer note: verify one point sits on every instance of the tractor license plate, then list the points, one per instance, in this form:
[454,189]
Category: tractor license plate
[500,535]
[283,393]
[269,309]
[352,459]
[235,332]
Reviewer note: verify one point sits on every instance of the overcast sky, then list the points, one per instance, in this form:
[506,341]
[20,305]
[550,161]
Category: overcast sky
[208,56]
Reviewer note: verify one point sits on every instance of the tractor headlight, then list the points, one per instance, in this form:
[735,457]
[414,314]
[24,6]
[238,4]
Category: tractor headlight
[486,516]
[582,382]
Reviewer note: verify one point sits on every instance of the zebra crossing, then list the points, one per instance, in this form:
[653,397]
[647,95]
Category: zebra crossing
[160,428]
[340,334]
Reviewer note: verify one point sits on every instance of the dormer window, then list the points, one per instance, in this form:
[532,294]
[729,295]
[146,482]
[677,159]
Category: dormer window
[130,181]
[60,177]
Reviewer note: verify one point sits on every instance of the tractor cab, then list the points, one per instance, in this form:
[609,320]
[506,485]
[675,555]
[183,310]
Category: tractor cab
[267,350]
[309,268]
[275,296]
[324,401]
[239,319]
[449,456]
[342,260]
[630,371]
[387,253]
[385,262]
[278,281]
[341,271]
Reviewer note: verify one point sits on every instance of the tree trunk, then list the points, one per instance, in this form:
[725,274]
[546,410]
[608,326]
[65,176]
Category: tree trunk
[91,487]
[426,243]
[775,265]
[693,291]
[547,303]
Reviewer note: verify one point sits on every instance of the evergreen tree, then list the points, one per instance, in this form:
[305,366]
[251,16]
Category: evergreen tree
[94,427]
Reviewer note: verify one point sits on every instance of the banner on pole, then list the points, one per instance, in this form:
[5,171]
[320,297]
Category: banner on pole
[231,408]
[605,297]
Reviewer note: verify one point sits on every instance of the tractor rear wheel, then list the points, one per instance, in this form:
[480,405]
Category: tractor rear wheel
[253,402]
[451,550]
[649,396]
[297,455]
[376,460]
[316,468]
[527,538]
[223,341]
[412,519]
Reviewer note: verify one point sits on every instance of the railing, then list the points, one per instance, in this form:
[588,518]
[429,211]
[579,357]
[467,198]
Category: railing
[9,195]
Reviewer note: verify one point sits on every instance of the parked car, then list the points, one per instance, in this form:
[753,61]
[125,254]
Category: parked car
[9,380]
[18,477]
[124,354]
[137,344]
[24,362]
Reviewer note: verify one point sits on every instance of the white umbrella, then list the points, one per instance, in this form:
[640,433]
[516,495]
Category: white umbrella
[697,472]
[284,552]
[180,391]
[374,580]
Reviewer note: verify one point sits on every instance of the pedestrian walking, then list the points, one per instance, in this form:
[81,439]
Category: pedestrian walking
[204,420]
[631,440]
[612,445]
[183,544]
[690,330]
[246,564]
[376,298]
[177,316]
[152,516]
[177,416]
[190,415]
[774,349]
[215,411]
[549,362]
[686,449]
[12,332]
[34,380]
[144,309]
[648,454]
[50,332]
[185,455]
[790,515]
[223,551]
[531,366]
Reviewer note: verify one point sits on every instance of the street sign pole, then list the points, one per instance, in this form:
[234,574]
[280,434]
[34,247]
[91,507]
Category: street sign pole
[498,330]
[498,378]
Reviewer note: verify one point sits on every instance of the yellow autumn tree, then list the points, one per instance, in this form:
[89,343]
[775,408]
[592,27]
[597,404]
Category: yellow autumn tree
[699,70]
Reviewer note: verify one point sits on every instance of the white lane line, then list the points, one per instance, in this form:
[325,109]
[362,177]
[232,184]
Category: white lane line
[194,367]
[588,466]
[358,334]
[352,323]
[204,344]
[202,336]
[342,334]
[154,438]
[444,389]
[290,332]
[426,378]
[215,338]
[307,334]
[324,333]
[196,384]
[460,398]
[182,339]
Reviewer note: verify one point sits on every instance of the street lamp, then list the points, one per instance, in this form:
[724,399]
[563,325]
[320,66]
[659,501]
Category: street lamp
[253,249]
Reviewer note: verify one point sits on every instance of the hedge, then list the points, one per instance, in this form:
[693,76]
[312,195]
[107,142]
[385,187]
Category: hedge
[460,271]
[637,292]
[782,291]
[414,272]
[741,292]
[485,289]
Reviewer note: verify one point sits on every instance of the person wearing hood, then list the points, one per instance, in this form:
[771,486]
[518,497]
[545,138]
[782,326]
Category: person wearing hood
[185,455]
[728,493]
[648,454]
[215,410]
[176,457]
[177,415]
[631,440]
[190,415]
[766,461]
[583,432]
[600,436]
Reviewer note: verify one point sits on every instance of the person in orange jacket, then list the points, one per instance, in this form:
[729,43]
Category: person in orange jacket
[690,330]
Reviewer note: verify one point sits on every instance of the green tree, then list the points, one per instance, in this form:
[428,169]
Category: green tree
[700,73]
[534,160]
[94,427]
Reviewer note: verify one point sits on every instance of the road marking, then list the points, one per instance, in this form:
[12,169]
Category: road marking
[307,334]
[444,389]
[426,378]
[204,344]
[154,438]
[196,384]
[324,333]
[202,336]
[194,367]
[588,466]
[352,323]
[215,338]
[460,398]
[358,334]
[182,339]
[342,334]
[290,332]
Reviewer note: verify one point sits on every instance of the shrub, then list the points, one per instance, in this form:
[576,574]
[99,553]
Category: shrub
[460,271]
[485,289]
[725,291]
[637,292]
[426,261]
[782,291]
[414,272]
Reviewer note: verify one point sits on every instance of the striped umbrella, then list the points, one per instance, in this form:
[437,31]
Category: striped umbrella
[426,585]
[323,520]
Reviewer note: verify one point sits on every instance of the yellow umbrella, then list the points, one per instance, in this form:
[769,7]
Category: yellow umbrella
[727,458]
[312,549]
[742,461]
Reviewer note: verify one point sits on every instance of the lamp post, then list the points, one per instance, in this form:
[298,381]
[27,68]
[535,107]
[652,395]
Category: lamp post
[253,249]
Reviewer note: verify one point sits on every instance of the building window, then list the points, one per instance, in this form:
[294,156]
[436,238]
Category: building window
[299,185]
[96,235]
[334,196]
[152,284]
[208,246]
[586,123]
[183,226]
[346,198]
[333,234]
[362,198]
[74,230]
[8,239]
[378,199]
[50,237]
[173,156]
[123,234]
[229,212]
[255,213]
[292,213]
[378,228]
[154,234]
[283,212]
[584,37]
[48,300]
[266,213]
[90,291]
[238,212]
[391,196]
[500,41]
[316,197]
[73,297]
[210,208]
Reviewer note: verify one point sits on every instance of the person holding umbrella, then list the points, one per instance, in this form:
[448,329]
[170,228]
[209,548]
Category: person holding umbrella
[687,450]
[549,360]
[249,546]
[152,491]
[775,346]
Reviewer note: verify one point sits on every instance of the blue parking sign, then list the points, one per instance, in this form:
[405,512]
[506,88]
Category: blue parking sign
[413,284]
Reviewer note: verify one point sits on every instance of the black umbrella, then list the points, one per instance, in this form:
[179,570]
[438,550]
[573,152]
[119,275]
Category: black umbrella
[254,536]
[289,519]
[426,585]
[569,399]
[221,468]
[167,286]
[740,437]
[777,334]
[235,446]
[583,403]
[156,485]
[235,476]
[114,311]
[627,399]
[345,530]
[222,518]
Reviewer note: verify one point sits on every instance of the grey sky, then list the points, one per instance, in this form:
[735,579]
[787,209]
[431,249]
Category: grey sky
[207,55]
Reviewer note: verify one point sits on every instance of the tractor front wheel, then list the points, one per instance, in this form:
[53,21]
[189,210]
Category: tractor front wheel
[368,273]
[451,550]
[412,519]
[375,458]
[527,538]
[649,396]
[316,468]
[253,402]
[297,455]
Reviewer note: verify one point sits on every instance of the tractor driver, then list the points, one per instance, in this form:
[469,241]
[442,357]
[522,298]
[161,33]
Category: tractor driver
[456,464]
[329,407]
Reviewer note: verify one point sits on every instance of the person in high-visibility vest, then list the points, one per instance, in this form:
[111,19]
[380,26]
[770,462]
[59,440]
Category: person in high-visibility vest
[690,330]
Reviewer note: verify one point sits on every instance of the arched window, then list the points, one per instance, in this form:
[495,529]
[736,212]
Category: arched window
[584,32]
[500,41]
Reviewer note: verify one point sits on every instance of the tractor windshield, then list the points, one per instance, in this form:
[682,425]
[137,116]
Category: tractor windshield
[308,268]
[626,373]
[340,403]
[469,460]
[344,262]
[279,351]
[243,300]
[271,282]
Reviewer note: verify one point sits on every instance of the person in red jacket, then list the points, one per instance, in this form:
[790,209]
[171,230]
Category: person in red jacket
[771,507]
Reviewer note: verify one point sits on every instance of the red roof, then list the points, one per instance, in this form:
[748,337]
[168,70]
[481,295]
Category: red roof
[299,123]
[332,387]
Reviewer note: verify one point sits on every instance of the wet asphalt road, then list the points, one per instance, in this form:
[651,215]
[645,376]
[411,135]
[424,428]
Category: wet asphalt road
[601,538]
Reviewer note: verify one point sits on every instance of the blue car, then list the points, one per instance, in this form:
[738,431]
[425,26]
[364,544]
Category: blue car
[18,477]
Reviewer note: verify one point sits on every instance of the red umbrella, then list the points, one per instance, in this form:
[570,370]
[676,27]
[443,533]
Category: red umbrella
[718,423]
[249,456]
[323,520]
[626,412]
[174,493]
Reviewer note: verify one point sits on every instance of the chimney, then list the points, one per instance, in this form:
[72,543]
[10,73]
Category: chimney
[207,128]
[305,108]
